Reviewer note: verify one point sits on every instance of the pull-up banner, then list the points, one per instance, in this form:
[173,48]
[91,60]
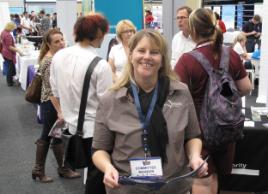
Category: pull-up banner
[116,10]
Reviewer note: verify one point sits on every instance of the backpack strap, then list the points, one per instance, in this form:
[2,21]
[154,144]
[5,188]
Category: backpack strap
[225,57]
[202,60]
[224,62]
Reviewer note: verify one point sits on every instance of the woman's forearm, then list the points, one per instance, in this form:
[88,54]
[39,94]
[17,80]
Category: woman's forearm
[193,148]
[56,103]
[102,160]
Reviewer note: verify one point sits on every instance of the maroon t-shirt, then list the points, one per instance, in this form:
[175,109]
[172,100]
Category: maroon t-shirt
[7,41]
[192,73]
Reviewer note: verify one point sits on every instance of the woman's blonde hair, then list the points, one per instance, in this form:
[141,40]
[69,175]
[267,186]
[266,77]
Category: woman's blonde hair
[10,26]
[121,25]
[46,41]
[240,37]
[156,40]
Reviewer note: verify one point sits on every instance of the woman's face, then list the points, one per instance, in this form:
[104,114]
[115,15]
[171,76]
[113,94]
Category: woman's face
[127,33]
[146,59]
[57,43]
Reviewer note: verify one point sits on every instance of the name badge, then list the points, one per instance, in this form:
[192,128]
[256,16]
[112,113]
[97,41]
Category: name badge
[146,167]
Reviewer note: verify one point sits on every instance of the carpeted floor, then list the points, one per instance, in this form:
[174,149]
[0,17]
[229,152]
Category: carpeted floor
[18,132]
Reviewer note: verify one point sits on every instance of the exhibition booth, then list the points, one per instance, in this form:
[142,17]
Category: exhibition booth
[250,169]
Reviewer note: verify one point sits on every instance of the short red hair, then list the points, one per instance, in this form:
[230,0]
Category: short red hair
[86,27]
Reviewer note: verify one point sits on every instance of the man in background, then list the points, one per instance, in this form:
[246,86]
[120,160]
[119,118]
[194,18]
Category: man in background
[252,30]
[26,24]
[181,42]
[45,22]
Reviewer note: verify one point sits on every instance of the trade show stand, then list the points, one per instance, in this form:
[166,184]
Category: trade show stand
[250,166]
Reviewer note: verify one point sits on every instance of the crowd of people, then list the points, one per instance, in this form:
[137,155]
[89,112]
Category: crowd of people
[141,105]
[33,24]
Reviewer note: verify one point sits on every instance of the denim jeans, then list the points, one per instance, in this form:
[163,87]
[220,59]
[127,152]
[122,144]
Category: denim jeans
[11,71]
[49,118]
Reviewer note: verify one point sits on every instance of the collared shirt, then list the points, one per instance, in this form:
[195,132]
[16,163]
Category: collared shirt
[67,75]
[118,128]
[118,55]
[180,45]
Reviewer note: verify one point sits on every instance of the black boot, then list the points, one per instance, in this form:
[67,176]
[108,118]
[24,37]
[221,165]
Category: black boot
[39,168]
[58,150]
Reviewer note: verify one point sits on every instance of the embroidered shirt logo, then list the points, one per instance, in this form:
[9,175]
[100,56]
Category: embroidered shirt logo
[171,104]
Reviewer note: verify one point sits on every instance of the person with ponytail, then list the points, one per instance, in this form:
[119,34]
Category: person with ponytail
[209,40]
[52,42]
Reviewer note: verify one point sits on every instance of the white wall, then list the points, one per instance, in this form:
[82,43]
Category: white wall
[4,15]
[66,16]
[169,14]
[263,78]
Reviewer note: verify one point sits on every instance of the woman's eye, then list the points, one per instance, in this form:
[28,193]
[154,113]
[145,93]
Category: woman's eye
[141,51]
[154,52]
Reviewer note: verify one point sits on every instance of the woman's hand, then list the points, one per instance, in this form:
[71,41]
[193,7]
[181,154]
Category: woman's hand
[60,118]
[111,177]
[196,162]
[20,52]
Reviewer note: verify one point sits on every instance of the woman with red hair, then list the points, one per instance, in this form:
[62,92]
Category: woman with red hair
[67,77]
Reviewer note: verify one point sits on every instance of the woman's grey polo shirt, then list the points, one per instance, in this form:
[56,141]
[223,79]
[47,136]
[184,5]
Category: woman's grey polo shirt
[118,128]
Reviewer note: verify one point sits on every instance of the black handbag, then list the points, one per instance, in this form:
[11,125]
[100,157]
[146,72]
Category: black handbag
[33,92]
[75,153]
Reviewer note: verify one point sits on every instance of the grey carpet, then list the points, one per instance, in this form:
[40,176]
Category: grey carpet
[18,132]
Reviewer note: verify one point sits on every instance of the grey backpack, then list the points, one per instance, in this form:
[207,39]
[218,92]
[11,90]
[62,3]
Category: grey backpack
[221,117]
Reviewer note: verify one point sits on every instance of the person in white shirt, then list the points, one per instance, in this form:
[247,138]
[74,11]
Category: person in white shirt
[26,24]
[125,29]
[181,42]
[240,48]
[68,71]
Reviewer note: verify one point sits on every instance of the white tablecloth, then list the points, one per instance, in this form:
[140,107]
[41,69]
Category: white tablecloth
[22,66]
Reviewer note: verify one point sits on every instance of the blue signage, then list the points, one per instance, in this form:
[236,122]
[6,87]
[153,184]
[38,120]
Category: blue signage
[116,10]
[239,16]
[228,16]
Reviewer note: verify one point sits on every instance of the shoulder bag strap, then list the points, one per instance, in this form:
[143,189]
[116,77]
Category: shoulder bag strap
[83,102]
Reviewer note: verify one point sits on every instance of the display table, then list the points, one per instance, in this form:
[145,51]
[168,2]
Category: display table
[23,63]
[30,74]
[250,166]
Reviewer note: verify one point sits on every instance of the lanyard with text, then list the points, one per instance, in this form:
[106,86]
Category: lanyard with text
[144,120]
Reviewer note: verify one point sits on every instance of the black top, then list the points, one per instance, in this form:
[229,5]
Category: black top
[249,26]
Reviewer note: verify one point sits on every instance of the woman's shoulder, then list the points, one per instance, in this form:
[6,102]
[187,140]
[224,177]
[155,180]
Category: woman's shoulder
[117,47]
[46,60]
[111,93]
[178,85]
[180,90]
